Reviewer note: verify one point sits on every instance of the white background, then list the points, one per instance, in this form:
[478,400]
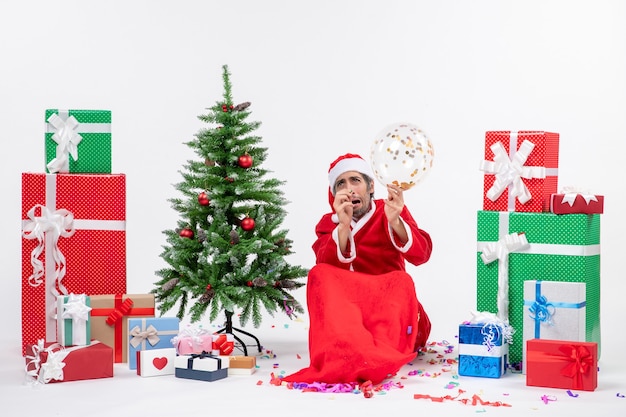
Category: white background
[323,78]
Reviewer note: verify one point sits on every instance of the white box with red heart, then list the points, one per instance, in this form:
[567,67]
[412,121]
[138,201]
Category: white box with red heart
[156,362]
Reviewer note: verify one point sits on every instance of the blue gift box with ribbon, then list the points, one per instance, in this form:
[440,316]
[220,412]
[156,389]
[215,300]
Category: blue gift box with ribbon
[553,310]
[484,348]
[150,333]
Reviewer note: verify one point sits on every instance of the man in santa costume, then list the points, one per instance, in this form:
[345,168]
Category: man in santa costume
[365,319]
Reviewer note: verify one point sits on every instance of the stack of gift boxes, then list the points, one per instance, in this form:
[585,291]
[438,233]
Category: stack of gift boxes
[75,309]
[538,269]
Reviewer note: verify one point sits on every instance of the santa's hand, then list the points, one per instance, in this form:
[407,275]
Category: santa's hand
[394,203]
[343,206]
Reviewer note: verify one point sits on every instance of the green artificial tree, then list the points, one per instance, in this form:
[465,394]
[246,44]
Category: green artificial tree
[228,252]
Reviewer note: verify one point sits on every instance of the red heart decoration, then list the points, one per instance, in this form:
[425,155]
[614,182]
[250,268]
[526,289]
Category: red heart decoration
[159,363]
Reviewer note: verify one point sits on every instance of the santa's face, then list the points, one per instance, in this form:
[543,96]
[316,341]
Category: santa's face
[354,187]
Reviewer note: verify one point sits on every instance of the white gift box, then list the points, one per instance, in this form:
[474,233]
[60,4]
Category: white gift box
[553,310]
[156,362]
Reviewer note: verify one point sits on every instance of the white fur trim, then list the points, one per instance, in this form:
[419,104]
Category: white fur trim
[350,164]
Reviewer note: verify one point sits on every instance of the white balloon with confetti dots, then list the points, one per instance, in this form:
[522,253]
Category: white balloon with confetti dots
[402,154]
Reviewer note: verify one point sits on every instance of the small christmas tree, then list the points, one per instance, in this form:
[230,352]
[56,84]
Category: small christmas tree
[228,251]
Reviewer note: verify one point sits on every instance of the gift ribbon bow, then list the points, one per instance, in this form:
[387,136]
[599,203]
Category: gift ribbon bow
[500,251]
[50,225]
[75,308]
[580,361]
[570,193]
[510,171]
[120,312]
[67,140]
[203,355]
[52,368]
[150,334]
[194,336]
[541,310]
[493,327]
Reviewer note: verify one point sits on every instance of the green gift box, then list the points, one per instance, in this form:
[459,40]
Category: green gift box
[78,141]
[562,248]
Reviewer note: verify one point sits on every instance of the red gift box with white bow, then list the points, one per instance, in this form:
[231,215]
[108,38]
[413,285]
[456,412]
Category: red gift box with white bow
[67,220]
[573,201]
[521,170]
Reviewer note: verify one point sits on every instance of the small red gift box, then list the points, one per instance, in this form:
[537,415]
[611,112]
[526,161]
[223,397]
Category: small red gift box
[74,241]
[51,362]
[521,170]
[574,202]
[562,364]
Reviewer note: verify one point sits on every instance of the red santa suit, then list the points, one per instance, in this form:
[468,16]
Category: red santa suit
[365,319]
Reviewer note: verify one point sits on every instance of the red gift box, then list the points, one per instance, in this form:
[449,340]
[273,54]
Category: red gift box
[573,203]
[51,362]
[562,364]
[74,241]
[521,170]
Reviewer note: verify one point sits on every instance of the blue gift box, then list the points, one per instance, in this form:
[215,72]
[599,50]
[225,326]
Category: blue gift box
[150,333]
[483,350]
[202,367]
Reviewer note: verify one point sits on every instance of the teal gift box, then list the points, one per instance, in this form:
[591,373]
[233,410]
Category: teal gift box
[73,320]
[483,351]
[564,248]
[78,141]
[150,333]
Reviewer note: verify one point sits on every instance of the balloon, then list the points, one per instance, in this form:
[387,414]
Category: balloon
[401,154]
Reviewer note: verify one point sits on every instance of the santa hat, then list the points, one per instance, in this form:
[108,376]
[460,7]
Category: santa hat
[345,163]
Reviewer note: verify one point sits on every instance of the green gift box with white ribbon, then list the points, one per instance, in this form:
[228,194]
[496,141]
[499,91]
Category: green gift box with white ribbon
[563,248]
[78,141]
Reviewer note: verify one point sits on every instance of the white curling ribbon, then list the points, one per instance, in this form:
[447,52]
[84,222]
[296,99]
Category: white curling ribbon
[77,310]
[500,251]
[510,171]
[194,334]
[488,318]
[50,225]
[52,368]
[570,193]
[150,334]
[67,140]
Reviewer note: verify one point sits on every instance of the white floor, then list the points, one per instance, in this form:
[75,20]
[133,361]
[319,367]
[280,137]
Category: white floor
[284,345]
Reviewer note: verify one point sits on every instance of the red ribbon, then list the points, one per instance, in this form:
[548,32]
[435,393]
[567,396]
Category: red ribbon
[222,344]
[119,310]
[580,361]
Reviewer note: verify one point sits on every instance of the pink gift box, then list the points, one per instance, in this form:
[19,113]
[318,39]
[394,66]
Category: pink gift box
[521,170]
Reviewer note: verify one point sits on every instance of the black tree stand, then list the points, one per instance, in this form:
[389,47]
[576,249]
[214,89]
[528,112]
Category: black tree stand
[228,328]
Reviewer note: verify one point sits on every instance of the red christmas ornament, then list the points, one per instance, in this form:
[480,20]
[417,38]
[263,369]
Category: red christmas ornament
[247,224]
[245,161]
[186,233]
[203,199]
[249,284]
[208,287]
[224,108]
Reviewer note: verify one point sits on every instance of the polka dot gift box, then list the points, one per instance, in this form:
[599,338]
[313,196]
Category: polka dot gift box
[78,141]
[521,170]
[562,248]
[73,241]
